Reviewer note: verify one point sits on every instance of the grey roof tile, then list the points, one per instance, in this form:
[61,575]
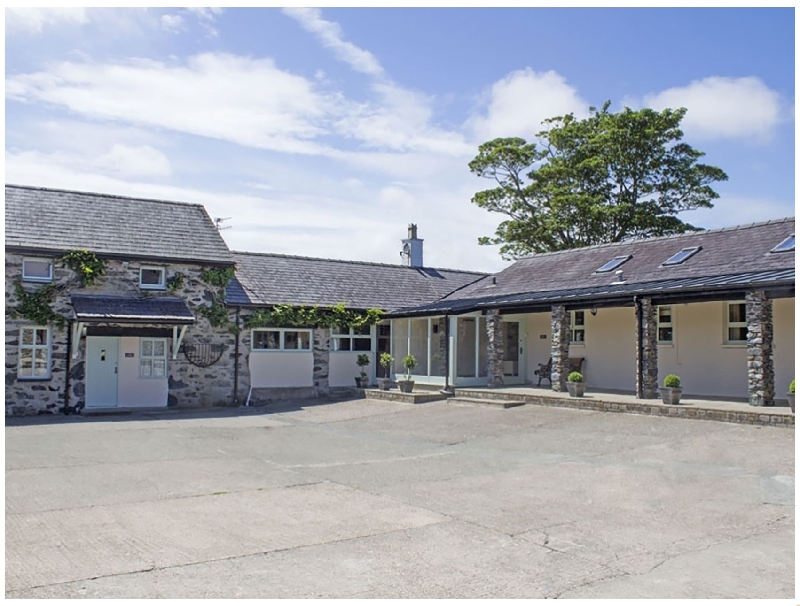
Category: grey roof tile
[269,279]
[150,310]
[59,220]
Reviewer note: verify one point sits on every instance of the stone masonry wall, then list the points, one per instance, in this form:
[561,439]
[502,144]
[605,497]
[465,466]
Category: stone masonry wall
[189,385]
[760,368]
[559,348]
[649,328]
[496,347]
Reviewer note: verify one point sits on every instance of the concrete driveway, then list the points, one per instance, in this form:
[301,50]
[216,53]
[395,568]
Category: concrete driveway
[381,499]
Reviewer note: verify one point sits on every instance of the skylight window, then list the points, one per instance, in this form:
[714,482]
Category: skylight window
[681,256]
[613,264]
[785,246]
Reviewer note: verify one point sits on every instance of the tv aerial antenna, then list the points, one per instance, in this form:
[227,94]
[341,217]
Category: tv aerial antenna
[218,222]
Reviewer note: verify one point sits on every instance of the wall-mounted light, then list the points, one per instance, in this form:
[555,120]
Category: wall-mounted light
[593,311]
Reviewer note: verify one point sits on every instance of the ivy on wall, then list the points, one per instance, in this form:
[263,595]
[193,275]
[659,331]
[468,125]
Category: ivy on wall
[303,316]
[175,282]
[216,312]
[86,265]
[35,305]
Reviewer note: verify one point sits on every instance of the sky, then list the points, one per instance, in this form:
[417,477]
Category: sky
[325,132]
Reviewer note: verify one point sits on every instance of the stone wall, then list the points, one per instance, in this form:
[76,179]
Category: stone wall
[760,369]
[189,385]
[559,348]
[649,331]
[496,353]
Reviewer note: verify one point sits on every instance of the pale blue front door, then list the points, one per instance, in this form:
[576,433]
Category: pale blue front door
[102,363]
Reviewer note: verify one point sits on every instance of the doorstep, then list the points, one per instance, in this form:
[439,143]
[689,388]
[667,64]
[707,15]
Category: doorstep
[415,397]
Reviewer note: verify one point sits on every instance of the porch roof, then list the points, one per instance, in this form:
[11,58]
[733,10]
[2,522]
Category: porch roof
[675,290]
[143,310]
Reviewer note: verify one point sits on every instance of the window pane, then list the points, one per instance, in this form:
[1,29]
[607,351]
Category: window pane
[41,336]
[158,349]
[665,335]
[483,348]
[399,343]
[146,368]
[578,336]
[27,336]
[340,331]
[738,333]
[384,330]
[153,277]
[290,340]
[665,315]
[579,318]
[147,347]
[362,344]
[341,344]
[305,340]
[362,330]
[736,312]
[419,345]
[159,368]
[36,269]
[465,356]
[266,339]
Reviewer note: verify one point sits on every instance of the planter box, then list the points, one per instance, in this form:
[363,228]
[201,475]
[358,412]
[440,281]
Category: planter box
[671,395]
[405,386]
[384,384]
[576,390]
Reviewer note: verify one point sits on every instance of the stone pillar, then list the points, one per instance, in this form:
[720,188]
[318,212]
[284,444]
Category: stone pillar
[496,353]
[648,331]
[322,354]
[760,370]
[559,348]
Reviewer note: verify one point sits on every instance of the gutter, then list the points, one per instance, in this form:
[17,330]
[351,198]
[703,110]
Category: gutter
[639,349]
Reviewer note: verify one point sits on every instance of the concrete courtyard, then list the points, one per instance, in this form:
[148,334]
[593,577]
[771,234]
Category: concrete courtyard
[376,499]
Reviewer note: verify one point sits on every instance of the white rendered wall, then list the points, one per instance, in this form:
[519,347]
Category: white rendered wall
[281,369]
[343,370]
[133,389]
[783,354]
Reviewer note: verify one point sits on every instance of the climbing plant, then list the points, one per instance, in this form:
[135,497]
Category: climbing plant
[36,305]
[175,282]
[216,312]
[303,316]
[85,264]
[218,276]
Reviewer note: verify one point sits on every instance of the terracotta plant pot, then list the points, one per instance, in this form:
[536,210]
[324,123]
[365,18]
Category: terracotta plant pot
[576,390]
[384,384]
[671,395]
[405,386]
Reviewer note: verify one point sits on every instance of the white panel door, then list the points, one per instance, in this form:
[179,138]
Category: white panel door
[102,362]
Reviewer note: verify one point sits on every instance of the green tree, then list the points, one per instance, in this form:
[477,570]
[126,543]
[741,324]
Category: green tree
[605,178]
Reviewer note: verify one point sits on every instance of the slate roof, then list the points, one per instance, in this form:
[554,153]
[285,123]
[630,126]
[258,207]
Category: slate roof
[54,220]
[269,279]
[730,258]
[151,310]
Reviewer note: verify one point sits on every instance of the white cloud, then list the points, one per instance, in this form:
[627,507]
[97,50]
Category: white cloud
[330,34]
[172,23]
[725,108]
[518,103]
[205,17]
[247,101]
[144,161]
[34,20]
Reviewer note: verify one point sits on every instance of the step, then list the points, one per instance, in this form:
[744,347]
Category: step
[415,397]
[486,402]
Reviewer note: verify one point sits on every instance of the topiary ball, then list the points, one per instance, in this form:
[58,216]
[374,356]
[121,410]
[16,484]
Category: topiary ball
[791,386]
[575,377]
[672,381]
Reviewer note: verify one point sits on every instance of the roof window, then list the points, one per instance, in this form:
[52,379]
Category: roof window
[613,264]
[785,246]
[680,257]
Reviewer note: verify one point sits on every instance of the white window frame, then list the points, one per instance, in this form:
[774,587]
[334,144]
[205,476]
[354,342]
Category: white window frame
[37,278]
[48,347]
[282,339]
[350,335]
[161,285]
[729,324]
[153,357]
[573,327]
[660,324]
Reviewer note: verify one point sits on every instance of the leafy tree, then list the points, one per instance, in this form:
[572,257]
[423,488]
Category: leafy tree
[605,178]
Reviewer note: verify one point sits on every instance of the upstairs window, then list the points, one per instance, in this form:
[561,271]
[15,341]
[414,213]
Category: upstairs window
[735,322]
[613,264]
[786,246]
[577,333]
[37,270]
[351,339]
[681,256]
[152,278]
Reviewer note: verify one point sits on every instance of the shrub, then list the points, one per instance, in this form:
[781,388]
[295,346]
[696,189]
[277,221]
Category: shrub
[672,381]
[363,360]
[409,363]
[791,386]
[575,377]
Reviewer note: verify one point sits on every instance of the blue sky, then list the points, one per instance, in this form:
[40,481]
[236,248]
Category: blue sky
[325,132]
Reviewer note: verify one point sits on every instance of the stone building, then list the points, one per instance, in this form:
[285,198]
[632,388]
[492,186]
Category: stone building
[118,341]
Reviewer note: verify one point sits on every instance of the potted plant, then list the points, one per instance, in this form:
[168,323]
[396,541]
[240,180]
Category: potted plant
[672,390]
[363,360]
[409,363]
[790,395]
[386,360]
[576,385]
